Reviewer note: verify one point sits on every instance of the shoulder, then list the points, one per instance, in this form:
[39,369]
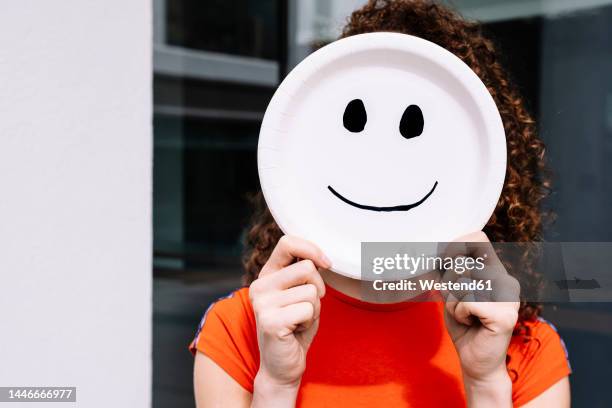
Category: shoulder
[537,359]
[227,335]
[234,305]
[538,338]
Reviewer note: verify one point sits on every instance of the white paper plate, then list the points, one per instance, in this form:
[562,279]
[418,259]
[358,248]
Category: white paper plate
[338,187]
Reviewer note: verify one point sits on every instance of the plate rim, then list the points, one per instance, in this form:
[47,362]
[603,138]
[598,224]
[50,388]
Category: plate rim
[271,128]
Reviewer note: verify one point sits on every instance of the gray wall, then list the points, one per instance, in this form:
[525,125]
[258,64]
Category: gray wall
[75,198]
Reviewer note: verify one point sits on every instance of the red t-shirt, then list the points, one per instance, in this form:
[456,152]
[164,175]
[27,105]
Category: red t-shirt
[372,355]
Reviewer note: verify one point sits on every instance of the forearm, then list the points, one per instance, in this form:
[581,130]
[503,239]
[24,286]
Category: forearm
[495,391]
[266,393]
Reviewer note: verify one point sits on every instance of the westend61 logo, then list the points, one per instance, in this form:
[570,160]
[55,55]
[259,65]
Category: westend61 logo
[412,265]
[402,264]
[553,272]
[407,267]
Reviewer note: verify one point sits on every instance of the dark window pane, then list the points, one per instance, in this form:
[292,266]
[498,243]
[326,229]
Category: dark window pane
[520,45]
[239,27]
[204,171]
[562,64]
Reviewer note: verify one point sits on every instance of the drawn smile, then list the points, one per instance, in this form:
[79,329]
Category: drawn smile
[404,207]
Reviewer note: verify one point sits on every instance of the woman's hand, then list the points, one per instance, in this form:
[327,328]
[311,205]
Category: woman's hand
[286,301]
[481,330]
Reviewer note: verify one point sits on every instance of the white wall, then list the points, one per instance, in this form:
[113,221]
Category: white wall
[75,198]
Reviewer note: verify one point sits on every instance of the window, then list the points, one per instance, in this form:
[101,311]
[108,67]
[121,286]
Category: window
[236,27]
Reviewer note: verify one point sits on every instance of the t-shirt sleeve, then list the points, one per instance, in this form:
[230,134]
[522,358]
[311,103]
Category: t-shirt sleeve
[227,336]
[536,362]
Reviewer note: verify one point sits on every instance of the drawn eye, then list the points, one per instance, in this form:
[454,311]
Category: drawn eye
[412,122]
[355,116]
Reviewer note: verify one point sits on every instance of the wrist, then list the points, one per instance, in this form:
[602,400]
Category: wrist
[268,392]
[493,390]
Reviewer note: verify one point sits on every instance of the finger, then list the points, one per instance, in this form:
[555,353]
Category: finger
[288,249]
[455,249]
[447,278]
[463,312]
[474,244]
[487,264]
[461,245]
[450,304]
[296,314]
[495,316]
[298,294]
[459,293]
[297,274]
[307,335]
[506,289]
[504,286]
[456,308]
[310,322]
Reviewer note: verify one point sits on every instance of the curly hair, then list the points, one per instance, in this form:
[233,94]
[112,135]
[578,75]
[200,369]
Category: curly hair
[517,216]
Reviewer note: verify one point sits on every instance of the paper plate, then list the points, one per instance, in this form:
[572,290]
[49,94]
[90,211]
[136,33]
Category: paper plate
[380,137]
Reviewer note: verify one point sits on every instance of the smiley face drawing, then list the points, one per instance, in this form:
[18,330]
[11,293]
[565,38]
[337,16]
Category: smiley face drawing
[380,137]
[411,125]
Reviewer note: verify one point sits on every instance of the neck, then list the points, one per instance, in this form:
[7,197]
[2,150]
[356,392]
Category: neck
[363,290]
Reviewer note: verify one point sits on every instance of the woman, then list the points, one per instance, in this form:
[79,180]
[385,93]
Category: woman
[299,335]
